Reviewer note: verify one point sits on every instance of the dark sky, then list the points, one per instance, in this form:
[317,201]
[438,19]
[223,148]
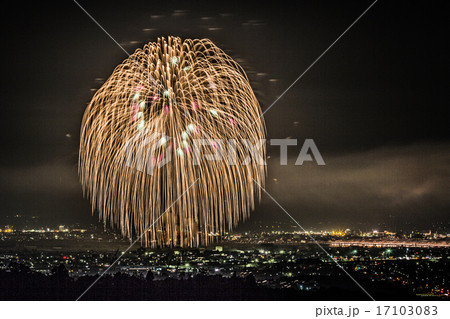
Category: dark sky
[375,104]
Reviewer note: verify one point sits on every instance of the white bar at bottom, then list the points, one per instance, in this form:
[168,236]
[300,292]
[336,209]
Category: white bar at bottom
[226,309]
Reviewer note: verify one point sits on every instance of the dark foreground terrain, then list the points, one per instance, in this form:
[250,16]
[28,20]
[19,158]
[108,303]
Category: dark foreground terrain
[21,283]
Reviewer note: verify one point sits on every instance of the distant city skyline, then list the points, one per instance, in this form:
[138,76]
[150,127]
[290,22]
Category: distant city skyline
[411,266]
[19,222]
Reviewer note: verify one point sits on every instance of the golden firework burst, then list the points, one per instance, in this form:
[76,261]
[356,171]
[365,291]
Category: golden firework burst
[136,161]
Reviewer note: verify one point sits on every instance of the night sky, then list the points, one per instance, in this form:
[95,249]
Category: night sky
[375,104]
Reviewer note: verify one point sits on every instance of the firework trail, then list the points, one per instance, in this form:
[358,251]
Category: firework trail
[178,91]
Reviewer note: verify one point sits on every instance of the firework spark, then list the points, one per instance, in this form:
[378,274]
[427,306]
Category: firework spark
[182,90]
